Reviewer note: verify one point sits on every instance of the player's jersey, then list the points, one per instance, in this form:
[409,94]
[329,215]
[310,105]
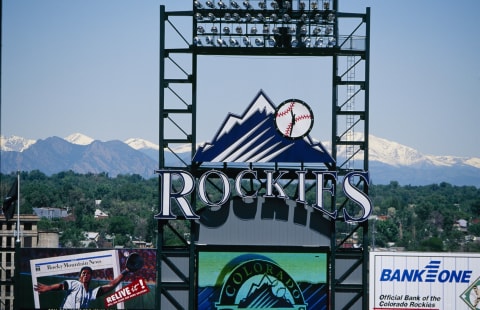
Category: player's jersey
[77,296]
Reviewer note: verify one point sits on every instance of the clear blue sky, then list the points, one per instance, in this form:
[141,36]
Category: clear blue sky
[91,66]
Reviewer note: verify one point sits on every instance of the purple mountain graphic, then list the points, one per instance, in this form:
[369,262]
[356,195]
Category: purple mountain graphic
[253,138]
[263,298]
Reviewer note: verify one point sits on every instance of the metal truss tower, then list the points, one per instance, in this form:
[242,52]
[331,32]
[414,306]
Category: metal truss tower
[226,28]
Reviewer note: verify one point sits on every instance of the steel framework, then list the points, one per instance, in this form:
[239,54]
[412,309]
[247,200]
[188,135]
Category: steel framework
[344,37]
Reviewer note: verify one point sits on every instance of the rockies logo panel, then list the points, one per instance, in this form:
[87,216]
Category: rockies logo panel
[265,133]
[262,280]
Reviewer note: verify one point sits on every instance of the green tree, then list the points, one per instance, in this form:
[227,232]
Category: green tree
[386,231]
[433,244]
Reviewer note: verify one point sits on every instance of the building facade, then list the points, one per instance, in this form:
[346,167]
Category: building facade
[8,238]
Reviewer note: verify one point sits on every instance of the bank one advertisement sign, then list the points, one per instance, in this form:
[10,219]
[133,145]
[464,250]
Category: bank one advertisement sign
[417,280]
[262,280]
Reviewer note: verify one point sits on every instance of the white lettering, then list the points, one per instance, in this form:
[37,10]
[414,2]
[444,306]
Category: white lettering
[301,186]
[320,175]
[238,184]
[325,184]
[358,196]
[167,195]
[202,192]
[271,182]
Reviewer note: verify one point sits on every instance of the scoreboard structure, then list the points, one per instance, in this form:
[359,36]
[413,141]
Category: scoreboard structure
[264,211]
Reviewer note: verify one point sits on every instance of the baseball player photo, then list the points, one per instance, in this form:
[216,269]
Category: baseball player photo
[78,294]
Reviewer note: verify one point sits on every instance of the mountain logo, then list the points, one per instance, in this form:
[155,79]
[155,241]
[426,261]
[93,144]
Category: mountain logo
[265,133]
[260,284]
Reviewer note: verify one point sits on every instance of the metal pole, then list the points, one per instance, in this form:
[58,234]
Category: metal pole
[18,206]
[158,294]
[16,287]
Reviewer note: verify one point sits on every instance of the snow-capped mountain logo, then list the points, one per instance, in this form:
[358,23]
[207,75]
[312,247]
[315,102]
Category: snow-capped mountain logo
[265,133]
[260,284]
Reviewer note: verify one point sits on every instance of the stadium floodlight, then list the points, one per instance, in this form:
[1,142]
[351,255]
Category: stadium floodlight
[247,4]
[197,4]
[272,42]
[275,23]
[221,42]
[234,43]
[210,4]
[266,29]
[303,30]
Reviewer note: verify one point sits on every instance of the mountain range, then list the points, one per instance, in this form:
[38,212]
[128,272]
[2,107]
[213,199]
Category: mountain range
[388,160]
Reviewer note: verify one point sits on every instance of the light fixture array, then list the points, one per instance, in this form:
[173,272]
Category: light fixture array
[264,23]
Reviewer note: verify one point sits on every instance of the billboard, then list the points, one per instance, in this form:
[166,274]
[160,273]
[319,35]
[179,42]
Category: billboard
[414,280]
[248,278]
[87,278]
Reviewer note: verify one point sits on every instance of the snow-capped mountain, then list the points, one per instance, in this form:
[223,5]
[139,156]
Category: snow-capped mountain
[381,150]
[15,143]
[140,144]
[135,143]
[395,154]
[389,161]
[78,138]
[53,155]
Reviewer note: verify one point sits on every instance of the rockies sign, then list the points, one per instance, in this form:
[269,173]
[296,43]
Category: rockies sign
[270,135]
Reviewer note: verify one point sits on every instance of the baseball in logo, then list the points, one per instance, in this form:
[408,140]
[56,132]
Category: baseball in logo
[293,119]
